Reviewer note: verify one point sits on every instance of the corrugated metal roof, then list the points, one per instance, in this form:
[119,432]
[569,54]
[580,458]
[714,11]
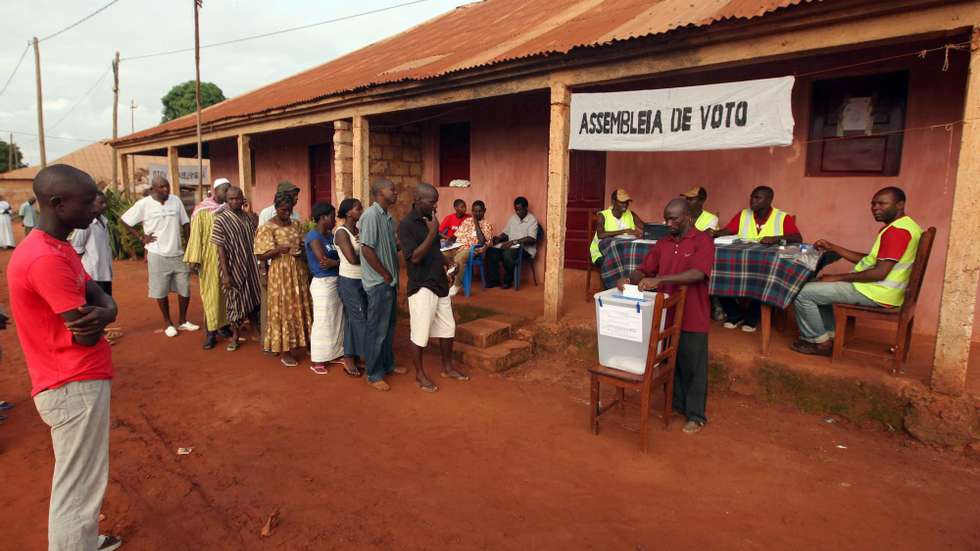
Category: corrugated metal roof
[96,160]
[481,34]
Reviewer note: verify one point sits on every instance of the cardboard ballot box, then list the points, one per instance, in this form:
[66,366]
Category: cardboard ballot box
[623,328]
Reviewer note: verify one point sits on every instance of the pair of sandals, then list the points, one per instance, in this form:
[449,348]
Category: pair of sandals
[431,387]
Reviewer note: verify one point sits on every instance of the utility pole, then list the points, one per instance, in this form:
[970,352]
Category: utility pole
[10,153]
[132,118]
[40,109]
[115,120]
[197,96]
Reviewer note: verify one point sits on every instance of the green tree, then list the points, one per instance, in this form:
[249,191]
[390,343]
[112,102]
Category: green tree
[179,101]
[5,157]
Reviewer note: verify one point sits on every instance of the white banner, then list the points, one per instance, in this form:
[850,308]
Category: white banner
[188,174]
[751,113]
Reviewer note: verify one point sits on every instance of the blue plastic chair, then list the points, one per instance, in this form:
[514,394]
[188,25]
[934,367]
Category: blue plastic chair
[472,261]
[520,262]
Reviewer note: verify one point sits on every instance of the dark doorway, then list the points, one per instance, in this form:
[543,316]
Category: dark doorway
[586,195]
[321,173]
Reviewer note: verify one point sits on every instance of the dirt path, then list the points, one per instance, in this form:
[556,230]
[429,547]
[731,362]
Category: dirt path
[496,463]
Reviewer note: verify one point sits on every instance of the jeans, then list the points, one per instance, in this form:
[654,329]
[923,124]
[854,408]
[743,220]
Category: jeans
[748,314]
[78,414]
[381,312]
[355,306]
[814,307]
[495,257]
[691,377]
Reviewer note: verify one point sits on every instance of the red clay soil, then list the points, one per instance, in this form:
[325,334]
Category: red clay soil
[500,462]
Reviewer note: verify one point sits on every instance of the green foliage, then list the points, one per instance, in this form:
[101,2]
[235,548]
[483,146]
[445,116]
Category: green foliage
[4,157]
[124,245]
[179,101]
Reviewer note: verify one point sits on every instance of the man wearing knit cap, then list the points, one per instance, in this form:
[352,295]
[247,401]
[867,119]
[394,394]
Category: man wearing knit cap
[203,255]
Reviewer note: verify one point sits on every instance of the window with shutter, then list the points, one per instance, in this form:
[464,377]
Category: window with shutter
[856,125]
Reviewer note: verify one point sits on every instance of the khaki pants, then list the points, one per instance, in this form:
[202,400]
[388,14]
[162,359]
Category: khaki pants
[78,414]
[461,257]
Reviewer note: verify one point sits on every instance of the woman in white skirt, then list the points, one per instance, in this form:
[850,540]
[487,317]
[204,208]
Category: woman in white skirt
[327,333]
[6,226]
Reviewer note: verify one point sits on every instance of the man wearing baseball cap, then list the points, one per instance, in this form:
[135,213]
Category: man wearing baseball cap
[268,213]
[703,220]
[615,221]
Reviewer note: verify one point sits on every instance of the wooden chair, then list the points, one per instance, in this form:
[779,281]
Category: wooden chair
[659,369]
[846,315]
[591,267]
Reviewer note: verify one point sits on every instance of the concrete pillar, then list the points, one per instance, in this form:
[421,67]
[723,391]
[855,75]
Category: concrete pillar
[554,270]
[173,164]
[959,296]
[246,177]
[343,160]
[361,165]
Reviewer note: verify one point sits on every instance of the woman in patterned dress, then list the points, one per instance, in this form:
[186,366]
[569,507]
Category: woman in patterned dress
[234,237]
[290,314]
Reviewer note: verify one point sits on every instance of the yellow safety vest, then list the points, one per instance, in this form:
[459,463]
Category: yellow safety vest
[706,220]
[891,290]
[773,226]
[611,223]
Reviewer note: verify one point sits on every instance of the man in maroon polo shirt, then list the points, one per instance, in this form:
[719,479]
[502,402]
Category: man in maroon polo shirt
[685,257]
[61,315]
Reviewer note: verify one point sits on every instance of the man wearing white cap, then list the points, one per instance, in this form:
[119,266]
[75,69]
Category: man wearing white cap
[203,255]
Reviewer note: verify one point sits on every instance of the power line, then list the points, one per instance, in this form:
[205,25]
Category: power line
[83,98]
[19,61]
[79,22]
[52,137]
[273,33]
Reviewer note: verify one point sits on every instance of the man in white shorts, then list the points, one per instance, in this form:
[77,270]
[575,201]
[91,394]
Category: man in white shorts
[164,221]
[429,306]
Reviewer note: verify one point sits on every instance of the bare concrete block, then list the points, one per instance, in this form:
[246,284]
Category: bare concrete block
[398,168]
[380,138]
[497,358]
[482,333]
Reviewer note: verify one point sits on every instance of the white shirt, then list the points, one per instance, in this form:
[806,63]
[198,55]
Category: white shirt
[268,213]
[517,229]
[162,221]
[348,270]
[92,244]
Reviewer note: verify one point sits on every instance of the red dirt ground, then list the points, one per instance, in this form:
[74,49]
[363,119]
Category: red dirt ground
[501,462]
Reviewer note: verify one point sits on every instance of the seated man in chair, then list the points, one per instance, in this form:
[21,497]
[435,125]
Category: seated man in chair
[615,221]
[765,224]
[879,278]
[519,238]
[467,235]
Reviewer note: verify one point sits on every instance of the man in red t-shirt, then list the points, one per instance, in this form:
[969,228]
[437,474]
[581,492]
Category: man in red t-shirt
[61,315]
[814,304]
[685,257]
[768,225]
[449,225]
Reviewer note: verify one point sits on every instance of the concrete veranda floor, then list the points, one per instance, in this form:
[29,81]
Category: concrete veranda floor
[528,301]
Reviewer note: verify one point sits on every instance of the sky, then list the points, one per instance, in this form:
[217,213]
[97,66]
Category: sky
[73,62]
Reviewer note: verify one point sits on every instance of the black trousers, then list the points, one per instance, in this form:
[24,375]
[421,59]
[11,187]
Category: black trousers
[691,377]
[106,286]
[493,260]
[748,312]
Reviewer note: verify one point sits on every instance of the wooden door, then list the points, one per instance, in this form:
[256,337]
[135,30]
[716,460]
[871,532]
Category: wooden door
[586,195]
[321,174]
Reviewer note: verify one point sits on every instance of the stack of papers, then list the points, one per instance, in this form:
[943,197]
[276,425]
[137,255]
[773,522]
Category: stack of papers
[726,240]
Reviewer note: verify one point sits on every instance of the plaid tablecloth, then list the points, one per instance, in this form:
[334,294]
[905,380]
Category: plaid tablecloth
[746,270]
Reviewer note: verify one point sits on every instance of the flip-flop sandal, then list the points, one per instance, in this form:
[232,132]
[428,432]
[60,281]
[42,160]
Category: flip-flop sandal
[427,388]
[285,363]
[458,376]
[355,372]
[232,346]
